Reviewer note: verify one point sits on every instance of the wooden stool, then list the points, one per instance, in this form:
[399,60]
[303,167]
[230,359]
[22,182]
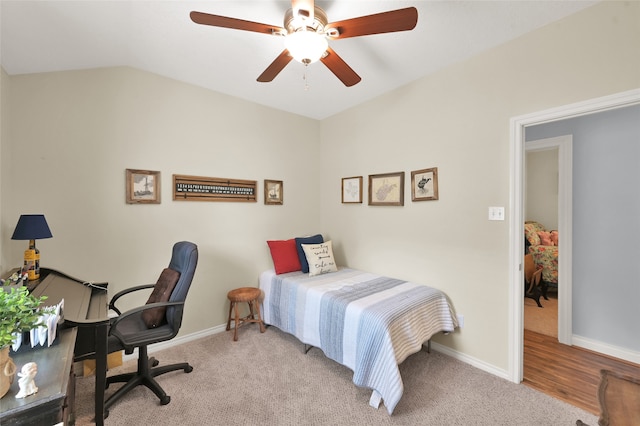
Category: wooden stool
[248,295]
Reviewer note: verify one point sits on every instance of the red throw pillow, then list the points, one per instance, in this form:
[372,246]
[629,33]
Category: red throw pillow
[161,293]
[284,255]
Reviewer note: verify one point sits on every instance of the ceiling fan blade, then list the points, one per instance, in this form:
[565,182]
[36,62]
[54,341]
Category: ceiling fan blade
[385,22]
[340,68]
[233,23]
[276,66]
[303,7]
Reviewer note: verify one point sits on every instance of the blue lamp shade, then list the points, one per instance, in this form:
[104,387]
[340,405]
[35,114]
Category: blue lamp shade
[31,227]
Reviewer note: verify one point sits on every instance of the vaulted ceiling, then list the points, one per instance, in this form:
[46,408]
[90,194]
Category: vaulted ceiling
[159,37]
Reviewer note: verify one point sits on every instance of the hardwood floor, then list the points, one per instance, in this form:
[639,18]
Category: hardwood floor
[568,373]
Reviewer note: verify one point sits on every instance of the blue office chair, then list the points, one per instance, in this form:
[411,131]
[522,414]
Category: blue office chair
[157,321]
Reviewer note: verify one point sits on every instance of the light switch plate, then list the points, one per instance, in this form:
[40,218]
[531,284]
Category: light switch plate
[496,213]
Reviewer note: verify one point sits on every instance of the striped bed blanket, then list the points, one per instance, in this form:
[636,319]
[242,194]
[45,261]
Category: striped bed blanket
[363,321]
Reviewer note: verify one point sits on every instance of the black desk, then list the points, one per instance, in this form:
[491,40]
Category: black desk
[54,400]
[83,335]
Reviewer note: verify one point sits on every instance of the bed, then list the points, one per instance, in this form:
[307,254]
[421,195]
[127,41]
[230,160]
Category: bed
[366,322]
[543,246]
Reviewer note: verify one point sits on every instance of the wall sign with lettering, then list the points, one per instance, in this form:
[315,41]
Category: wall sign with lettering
[197,188]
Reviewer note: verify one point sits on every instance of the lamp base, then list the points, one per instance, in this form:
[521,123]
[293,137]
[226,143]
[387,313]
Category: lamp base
[32,261]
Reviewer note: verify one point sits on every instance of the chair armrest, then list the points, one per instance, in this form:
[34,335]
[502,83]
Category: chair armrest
[116,320]
[118,295]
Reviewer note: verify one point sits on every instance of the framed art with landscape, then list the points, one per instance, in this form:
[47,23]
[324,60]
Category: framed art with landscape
[142,186]
[273,192]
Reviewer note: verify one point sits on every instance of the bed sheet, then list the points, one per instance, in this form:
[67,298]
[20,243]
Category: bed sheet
[366,322]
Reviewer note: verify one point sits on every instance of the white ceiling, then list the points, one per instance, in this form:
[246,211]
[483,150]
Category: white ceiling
[159,37]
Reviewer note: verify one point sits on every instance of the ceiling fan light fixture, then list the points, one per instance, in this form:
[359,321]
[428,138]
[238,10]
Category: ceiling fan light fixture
[306,32]
[306,47]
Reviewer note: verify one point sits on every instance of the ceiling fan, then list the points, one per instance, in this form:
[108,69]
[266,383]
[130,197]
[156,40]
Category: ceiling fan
[307,31]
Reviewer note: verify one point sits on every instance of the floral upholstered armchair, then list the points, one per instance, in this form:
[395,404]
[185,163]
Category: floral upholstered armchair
[543,246]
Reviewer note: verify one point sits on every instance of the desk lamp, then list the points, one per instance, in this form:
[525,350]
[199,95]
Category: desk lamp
[32,227]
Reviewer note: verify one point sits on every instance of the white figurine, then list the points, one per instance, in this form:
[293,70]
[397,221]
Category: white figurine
[26,383]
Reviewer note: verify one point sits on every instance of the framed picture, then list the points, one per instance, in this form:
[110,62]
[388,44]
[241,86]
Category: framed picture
[424,184]
[142,186]
[352,190]
[386,189]
[273,192]
[201,188]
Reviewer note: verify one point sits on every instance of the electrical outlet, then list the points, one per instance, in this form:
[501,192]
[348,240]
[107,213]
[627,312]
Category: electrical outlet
[460,320]
[496,213]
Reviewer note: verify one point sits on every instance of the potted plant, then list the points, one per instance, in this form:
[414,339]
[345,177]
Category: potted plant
[18,313]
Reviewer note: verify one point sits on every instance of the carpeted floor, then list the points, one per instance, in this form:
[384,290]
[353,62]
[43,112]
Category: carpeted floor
[268,379]
[542,320]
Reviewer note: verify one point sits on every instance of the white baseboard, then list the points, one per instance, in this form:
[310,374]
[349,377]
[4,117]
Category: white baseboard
[593,345]
[179,341]
[489,368]
[606,349]
[479,364]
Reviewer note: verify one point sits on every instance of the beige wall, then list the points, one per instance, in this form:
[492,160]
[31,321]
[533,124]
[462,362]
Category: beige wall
[458,120]
[71,136]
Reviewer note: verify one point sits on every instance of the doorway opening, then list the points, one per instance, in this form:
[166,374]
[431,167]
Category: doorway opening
[562,215]
[546,180]
[516,215]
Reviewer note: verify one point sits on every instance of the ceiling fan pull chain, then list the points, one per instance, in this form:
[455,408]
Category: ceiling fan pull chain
[305,78]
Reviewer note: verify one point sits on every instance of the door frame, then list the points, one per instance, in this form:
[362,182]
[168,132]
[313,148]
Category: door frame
[516,206]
